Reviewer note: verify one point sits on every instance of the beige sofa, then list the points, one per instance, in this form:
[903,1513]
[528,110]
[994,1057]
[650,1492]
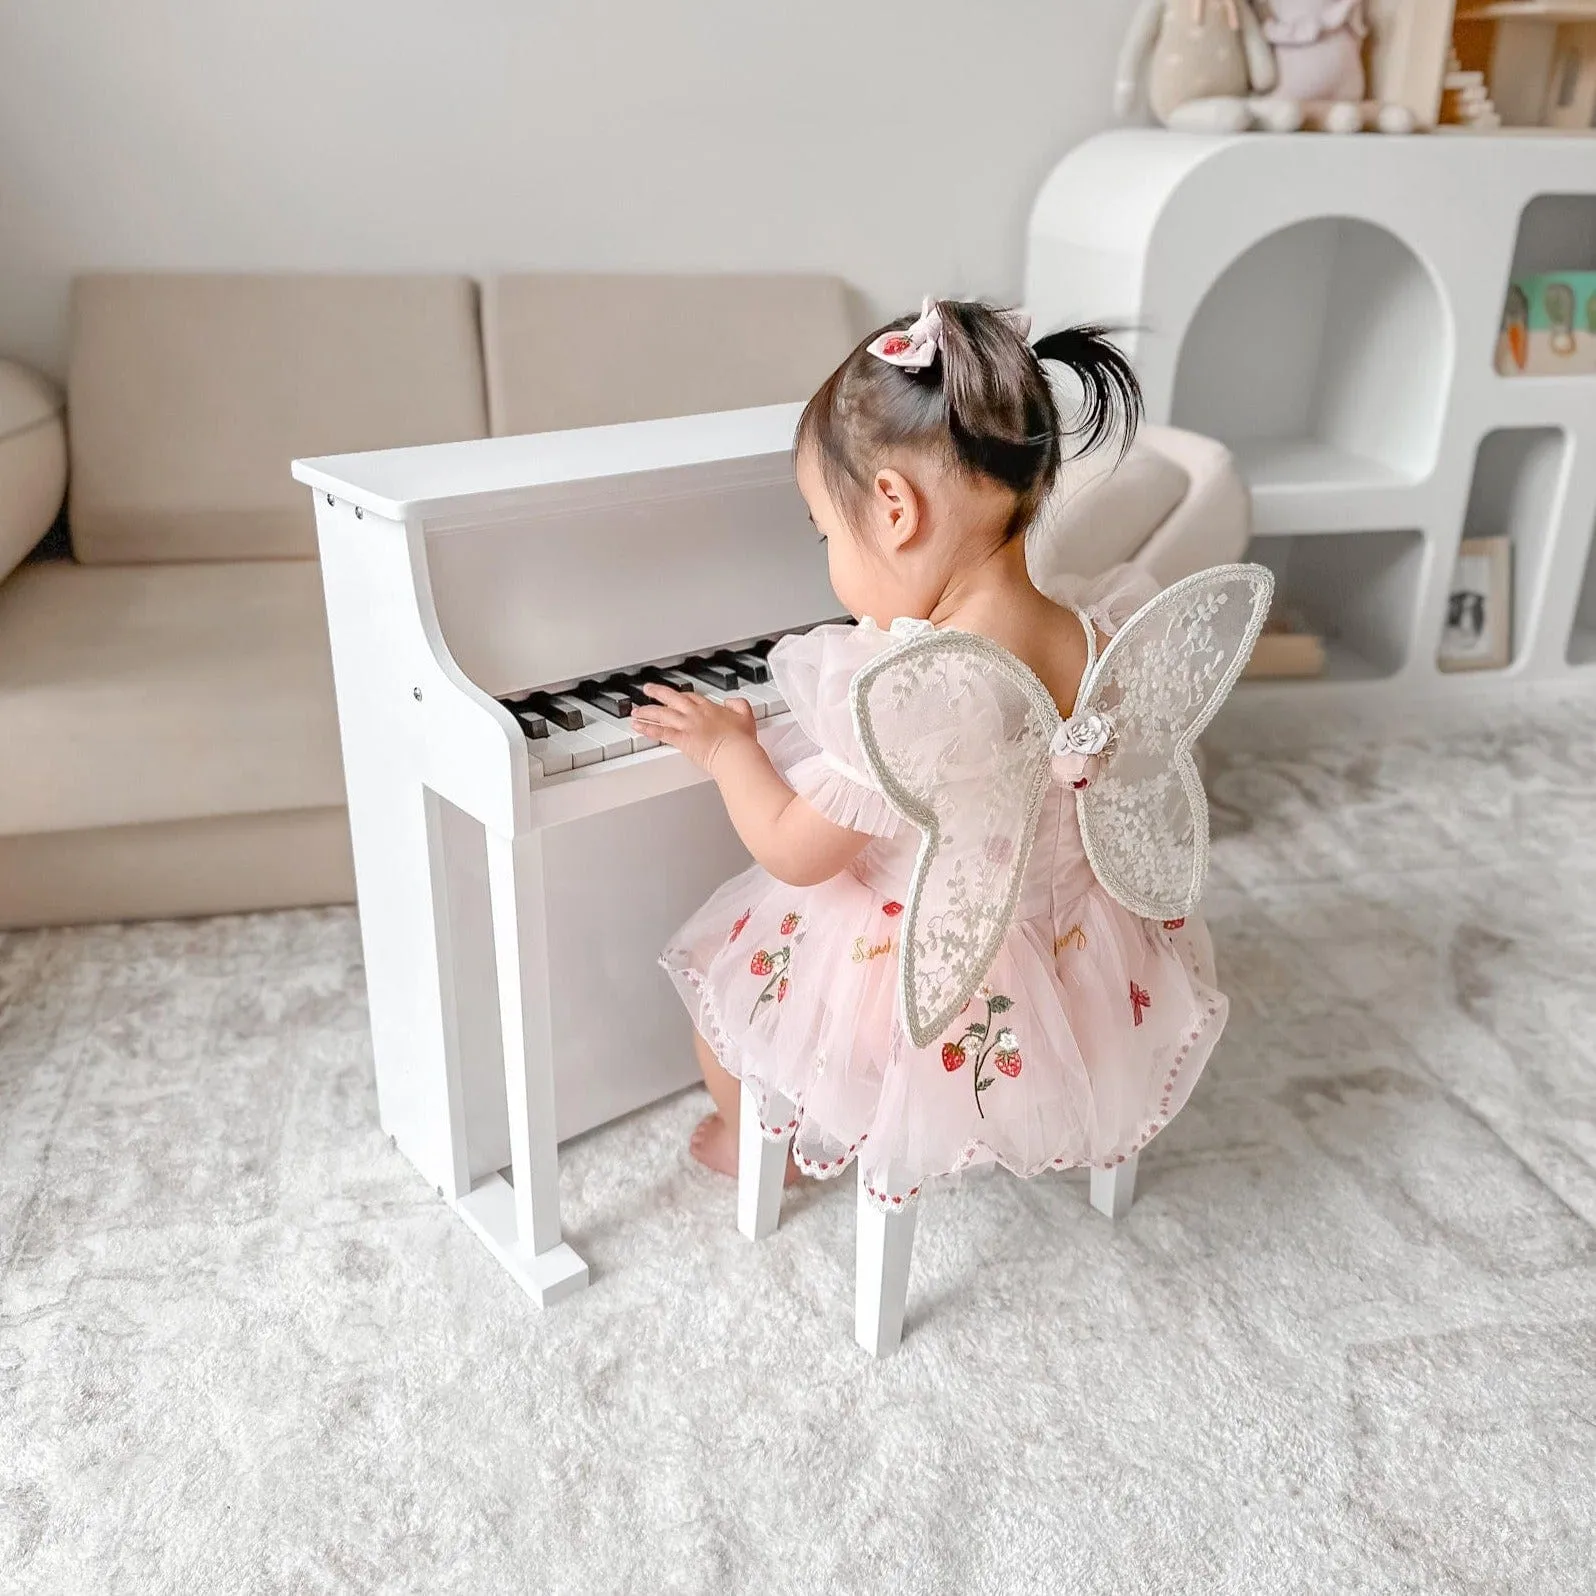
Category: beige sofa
[168,739]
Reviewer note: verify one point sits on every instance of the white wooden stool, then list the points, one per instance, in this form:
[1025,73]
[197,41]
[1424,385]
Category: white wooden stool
[885,1236]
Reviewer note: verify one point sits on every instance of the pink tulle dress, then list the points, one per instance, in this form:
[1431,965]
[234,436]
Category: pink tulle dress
[1085,1037]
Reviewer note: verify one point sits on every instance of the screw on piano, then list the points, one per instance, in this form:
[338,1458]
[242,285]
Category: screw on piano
[415,693]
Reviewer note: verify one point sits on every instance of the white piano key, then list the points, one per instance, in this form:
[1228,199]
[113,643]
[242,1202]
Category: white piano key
[636,741]
[584,750]
[763,696]
[548,757]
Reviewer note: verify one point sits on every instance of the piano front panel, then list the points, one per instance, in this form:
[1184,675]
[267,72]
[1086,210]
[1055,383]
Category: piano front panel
[601,583]
[618,882]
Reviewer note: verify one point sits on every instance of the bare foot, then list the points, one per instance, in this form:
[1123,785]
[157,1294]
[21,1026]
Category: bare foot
[714,1145]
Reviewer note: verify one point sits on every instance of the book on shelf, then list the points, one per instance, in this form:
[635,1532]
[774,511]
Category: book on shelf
[1286,648]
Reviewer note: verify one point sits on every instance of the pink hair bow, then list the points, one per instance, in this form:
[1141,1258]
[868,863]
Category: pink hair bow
[916,346]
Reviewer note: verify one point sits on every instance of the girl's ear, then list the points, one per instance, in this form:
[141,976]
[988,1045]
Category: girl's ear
[897,508]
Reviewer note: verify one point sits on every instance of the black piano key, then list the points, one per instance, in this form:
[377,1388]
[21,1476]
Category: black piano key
[721,677]
[532,723]
[749,666]
[563,716]
[682,684]
[631,686]
[606,698]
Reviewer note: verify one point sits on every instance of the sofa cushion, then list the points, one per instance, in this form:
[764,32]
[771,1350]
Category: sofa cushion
[586,350]
[1101,512]
[149,693]
[189,395]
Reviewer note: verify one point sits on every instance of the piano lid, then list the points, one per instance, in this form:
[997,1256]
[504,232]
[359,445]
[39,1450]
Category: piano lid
[431,478]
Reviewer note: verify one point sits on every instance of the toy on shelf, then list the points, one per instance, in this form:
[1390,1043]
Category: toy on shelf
[1319,67]
[1466,98]
[1409,41]
[1549,326]
[1208,68]
[1536,60]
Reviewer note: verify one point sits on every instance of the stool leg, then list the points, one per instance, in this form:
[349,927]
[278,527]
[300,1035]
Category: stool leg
[761,1168]
[1113,1189]
[881,1274]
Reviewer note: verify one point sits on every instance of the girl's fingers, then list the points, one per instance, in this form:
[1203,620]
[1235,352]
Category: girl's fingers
[662,694]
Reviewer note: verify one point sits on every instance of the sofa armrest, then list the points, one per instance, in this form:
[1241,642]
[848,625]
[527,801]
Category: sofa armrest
[33,461]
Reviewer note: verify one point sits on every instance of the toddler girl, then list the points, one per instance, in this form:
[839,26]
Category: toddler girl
[923,459]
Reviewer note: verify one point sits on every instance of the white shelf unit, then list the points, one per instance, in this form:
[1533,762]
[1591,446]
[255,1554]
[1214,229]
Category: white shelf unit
[1328,307]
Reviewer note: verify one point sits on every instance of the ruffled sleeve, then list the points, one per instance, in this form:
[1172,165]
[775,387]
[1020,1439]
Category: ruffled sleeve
[1109,600]
[819,754]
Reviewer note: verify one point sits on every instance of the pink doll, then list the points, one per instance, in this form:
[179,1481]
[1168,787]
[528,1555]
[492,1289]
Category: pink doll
[1318,48]
[970,934]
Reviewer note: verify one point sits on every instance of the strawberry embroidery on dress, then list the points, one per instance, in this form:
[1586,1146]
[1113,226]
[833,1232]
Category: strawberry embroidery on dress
[742,921]
[892,910]
[773,965]
[1140,999]
[1001,1050]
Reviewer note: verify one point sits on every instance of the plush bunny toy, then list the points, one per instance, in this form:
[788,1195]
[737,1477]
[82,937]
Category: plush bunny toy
[1209,68]
[1319,59]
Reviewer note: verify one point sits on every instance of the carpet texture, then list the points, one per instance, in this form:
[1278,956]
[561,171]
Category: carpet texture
[1344,1342]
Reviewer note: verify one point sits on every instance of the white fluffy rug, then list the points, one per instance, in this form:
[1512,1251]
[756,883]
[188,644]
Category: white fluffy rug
[1345,1341]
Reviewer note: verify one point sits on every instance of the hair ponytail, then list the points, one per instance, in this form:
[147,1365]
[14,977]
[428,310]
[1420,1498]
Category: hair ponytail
[1112,396]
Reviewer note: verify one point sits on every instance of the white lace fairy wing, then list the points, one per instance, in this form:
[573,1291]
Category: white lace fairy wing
[1162,678]
[956,731]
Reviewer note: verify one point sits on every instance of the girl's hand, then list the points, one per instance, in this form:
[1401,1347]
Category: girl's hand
[690,722]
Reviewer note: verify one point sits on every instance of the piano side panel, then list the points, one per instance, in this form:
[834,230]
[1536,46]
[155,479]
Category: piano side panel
[619,580]
[618,883]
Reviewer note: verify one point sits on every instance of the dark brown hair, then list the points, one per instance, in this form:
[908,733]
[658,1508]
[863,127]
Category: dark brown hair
[984,404]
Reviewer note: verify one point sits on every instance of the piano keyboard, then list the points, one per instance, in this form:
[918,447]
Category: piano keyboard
[588,722]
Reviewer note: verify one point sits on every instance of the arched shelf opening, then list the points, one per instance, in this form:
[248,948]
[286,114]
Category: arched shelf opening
[1321,356]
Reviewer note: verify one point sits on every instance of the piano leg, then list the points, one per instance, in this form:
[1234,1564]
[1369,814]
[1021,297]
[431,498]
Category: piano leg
[522,1223]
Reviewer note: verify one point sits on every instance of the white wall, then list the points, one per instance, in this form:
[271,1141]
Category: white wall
[895,142]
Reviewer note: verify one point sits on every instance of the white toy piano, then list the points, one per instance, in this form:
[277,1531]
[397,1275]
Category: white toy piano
[521,855]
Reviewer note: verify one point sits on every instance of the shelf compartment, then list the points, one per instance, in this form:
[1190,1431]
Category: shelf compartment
[1556,239]
[1358,590]
[1516,493]
[1556,233]
[1322,356]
